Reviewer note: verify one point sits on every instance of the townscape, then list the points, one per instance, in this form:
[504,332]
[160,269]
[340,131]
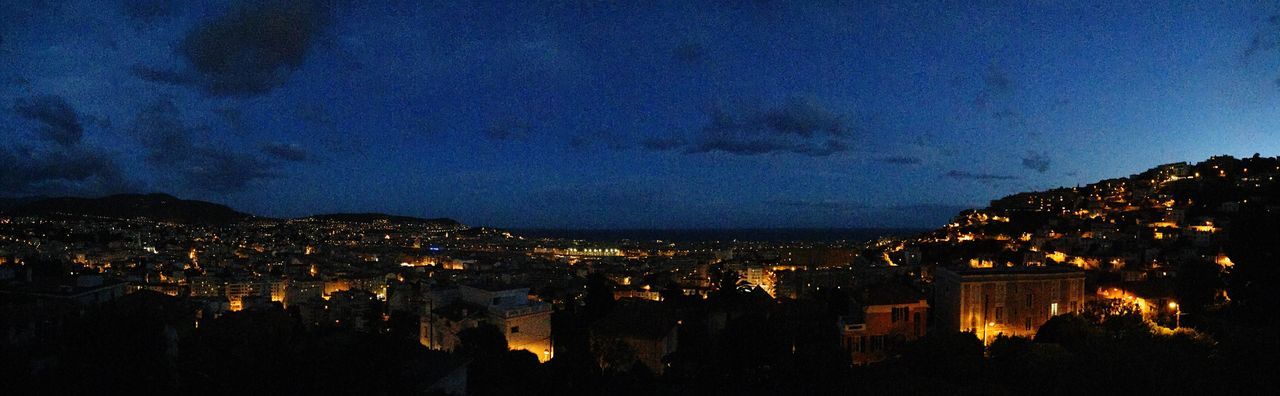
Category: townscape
[1157,281]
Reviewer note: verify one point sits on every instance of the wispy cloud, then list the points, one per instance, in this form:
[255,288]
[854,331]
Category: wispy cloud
[509,129]
[900,160]
[689,52]
[661,143]
[1037,161]
[798,126]
[170,148]
[288,152]
[996,85]
[58,162]
[59,122]
[966,175]
[817,204]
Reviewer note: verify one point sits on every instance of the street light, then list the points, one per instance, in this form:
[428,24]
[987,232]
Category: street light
[984,332]
[1177,314]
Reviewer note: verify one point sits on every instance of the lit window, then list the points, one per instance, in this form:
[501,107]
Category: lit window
[1053,309]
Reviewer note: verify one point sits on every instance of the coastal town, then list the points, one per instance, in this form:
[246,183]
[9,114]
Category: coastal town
[1157,245]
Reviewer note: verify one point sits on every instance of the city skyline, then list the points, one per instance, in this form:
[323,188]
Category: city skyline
[709,115]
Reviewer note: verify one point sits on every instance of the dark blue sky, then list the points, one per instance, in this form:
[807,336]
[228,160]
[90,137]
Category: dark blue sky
[582,115]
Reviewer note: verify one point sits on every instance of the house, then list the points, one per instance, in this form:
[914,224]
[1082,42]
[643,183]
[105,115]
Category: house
[636,332]
[526,323]
[887,315]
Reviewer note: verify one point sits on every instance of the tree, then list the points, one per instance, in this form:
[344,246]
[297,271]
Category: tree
[599,298]
[1073,332]
[483,341]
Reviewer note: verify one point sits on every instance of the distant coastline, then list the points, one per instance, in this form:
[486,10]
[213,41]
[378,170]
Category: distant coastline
[708,235]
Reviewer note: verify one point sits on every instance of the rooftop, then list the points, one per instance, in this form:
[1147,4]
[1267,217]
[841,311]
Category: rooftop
[1017,270]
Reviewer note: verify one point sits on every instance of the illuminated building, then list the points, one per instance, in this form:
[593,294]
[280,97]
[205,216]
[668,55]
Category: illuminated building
[759,276]
[1011,300]
[207,286]
[302,290]
[889,315]
[645,292]
[525,323]
[580,252]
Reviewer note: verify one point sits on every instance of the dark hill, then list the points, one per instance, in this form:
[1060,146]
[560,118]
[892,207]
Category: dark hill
[159,207]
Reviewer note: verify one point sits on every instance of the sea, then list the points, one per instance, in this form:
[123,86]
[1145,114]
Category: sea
[711,235]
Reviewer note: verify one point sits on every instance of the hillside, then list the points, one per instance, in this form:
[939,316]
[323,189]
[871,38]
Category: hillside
[1216,217]
[159,207]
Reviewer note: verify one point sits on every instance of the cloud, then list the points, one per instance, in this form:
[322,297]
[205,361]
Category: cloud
[1266,38]
[930,207]
[226,171]
[804,117]
[147,11]
[689,52]
[965,175]
[661,143]
[1036,161]
[248,51]
[996,85]
[17,81]
[590,204]
[170,148]
[799,126]
[315,115]
[288,152]
[1006,114]
[900,160]
[234,118]
[509,129]
[60,122]
[57,163]
[817,204]
[60,170]
[170,77]
[603,139]
[929,142]
[163,134]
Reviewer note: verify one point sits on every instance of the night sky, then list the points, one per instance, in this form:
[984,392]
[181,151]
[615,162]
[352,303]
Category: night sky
[693,114]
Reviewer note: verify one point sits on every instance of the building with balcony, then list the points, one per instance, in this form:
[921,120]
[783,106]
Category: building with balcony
[887,316]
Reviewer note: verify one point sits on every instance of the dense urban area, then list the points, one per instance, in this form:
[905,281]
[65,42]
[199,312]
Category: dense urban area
[1160,282]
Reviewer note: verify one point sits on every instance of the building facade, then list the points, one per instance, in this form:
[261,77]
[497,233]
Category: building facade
[525,323]
[886,318]
[1012,301]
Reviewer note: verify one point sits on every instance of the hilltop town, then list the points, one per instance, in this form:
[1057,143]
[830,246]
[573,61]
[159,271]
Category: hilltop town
[1180,256]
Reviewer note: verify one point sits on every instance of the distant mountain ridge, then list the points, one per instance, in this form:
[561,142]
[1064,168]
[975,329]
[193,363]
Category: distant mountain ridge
[167,208]
[158,207]
[381,217]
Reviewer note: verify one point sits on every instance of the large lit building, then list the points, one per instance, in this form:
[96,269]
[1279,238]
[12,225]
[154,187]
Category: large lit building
[526,323]
[1005,300]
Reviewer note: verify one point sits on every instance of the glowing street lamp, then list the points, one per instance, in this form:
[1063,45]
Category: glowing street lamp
[1177,314]
[984,332]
